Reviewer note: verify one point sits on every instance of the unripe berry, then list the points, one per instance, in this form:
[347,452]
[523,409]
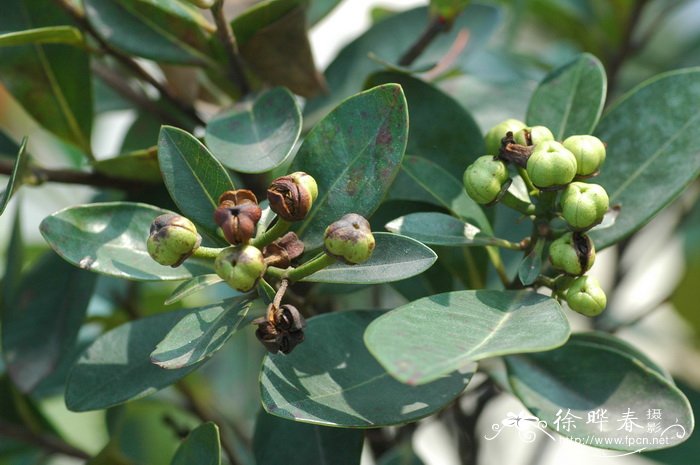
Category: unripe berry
[240,266]
[589,152]
[349,239]
[586,297]
[583,205]
[292,196]
[572,253]
[498,132]
[533,136]
[551,165]
[486,179]
[172,239]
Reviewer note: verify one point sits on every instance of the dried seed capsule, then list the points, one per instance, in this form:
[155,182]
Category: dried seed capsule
[533,136]
[237,215]
[284,332]
[589,152]
[349,239]
[486,179]
[497,133]
[583,205]
[292,196]
[551,165]
[240,266]
[586,297]
[172,239]
[573,253]
[281,252]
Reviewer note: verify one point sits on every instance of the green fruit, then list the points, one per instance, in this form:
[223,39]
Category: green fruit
[533,136]
[349,239]
[572,253]
[240,266]
[589,152]
[586,297]
[292,196]
[583,205]
[172,239]
[498,132]
[551,165]
[485,179]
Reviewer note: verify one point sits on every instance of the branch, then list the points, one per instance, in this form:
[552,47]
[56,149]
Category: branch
[225,34]
[628,46]
[50,444]
[436,26]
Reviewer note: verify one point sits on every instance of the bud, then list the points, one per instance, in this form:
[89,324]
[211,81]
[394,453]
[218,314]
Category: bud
[533,136]
[573,253]
[237,215]
[281,252]
[172,239]
[486,179]
[586,297]
[589,152]
[583,205]
[284,332]
[349,239]
[240,266]
[498,132]
[292,196]
[551,165]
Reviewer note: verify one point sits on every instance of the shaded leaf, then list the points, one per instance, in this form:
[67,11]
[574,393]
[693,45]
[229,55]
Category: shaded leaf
[52,82]
[16,177]
[166,30]
[440,229]
[531,264]
[431,337]
[201,447]
[319,9]
[570,99]
[587,374]
[116,368]
[353,154]
[194,178]
[110,238]
[652,152]
[201,333]
[340,384]
[402,454]
[394,258]
[43,35]
[192,286]
[257,135]
[293,443]
[139,166]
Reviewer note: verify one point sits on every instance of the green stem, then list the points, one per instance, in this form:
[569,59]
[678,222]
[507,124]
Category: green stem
[207,252]
[277,230]
[295,274]
[506,244]
[526,179]
[519,205]
[545,204]
[495,257]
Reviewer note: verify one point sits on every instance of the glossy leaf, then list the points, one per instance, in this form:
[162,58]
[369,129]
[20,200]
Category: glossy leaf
[531,264]
[139,166]
[588,374]
[201,446]
[43,35]
[52,82]
[353,154]
[116,367]
[331,379]
[652,154]
[570,99]
[110,238]
[16,177]
[394,258]
[440,229]
[192,286]
[194,178]
[166,30]
[431,337]
[201,333]
[279,441]
[258,135]
[41,321]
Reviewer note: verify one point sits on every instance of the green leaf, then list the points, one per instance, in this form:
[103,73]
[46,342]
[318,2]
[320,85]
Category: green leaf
[588,374]
[194,178]
[138,166]
[256,135]
[652,154]
[402,454]
[440,229]
[16,177]
[431,337]
[331,379]
[43,35]
[116,368]
[394,258]
[192,286]
[531,265]
[52,82]
[110,238]
[200,334]
[167,30]
[279,441]
[201,447]
[319,9]
[14,260]
[570,99]
[353,154]
[448,9]
[41,321]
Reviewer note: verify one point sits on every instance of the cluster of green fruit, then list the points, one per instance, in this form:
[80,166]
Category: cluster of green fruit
[554,173]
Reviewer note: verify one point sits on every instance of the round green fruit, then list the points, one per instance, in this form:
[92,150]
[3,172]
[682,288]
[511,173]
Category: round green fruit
[533,136]
[583,205]
[586,297]
[551,166]
[349,239]
[485,179]
[572,253]
[240,266]
[498,132]
[589,152]
[172,239]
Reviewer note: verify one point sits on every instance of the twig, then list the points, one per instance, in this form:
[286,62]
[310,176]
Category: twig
[628,46]
[50,444]
[436,26]
[225,34]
